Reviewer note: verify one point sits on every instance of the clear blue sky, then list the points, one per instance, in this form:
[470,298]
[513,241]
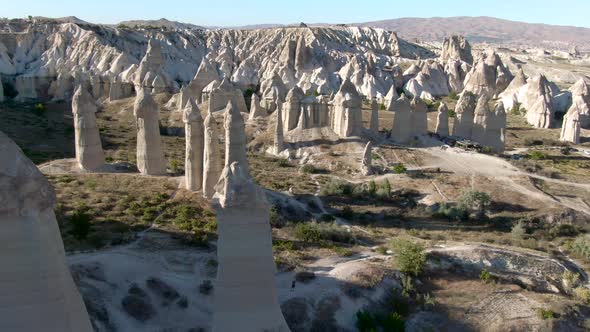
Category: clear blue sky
[242,12]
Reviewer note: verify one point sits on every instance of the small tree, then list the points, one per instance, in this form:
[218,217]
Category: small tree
[477,201]
[518,231]
[399,169]
[410,257]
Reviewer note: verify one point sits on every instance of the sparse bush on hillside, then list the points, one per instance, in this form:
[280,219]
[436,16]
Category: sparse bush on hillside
[453,95]
[452,113]
[546,314]
[314,232]
[410,257]
[399,169]
[537,155]
[582,294]
[477,201]
[581,247]
[518,231]
[453,213]
[80,222]
[370,189]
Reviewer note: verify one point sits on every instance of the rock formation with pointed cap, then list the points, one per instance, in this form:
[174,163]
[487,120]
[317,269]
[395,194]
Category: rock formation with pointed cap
[150,73]
[510,95]
[391,97]
[150,156]
[456,48]
[419,123]
[347,117]
[245,297]
[224,92]
[442,121]
[211,157]
[89,153]
[235,136]
[292,108]
[402,131]
[195,145]
[366,162]
[481,116]
[570,131]
[581,99]
[464,115]
[206,74]
[496,129]
[38,292]
[256,111]
[374,116]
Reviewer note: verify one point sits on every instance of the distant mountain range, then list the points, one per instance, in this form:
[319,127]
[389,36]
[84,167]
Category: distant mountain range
[435,29]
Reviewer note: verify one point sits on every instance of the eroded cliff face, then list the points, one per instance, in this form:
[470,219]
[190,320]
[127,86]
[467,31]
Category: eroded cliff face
[41,53]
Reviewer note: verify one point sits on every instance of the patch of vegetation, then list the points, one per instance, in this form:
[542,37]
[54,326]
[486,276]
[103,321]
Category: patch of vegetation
[518,231]
[476,201]
[582,294]
[314,232]
[545,314]
[581,247]
[206,287]
[311,169]
[368,322]
[410,256]
[486,277]
[80,221]
[399,169]
[452,213]
[452,113]
[372,189]
[39,109]
[453,95]
[537,155]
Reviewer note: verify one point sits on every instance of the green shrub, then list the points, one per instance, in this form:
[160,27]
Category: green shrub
[392,323]
[537,155]
[452,113]
[486,277]
[309,169]
[453,213]
[546,314]
[410,257]
[174,166]
[453,95]
[316,232]
[475,200]
[582,294]
[39,109]
[283,163]
[518,231]
[399,169]
[80,222]
[366,322]
[581,247]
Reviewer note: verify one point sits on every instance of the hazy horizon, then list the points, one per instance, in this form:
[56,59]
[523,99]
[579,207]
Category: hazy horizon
[237,13]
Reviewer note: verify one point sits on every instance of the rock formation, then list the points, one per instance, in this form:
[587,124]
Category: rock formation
[419,123]
[391,97]
[211,157]
[510,95]
[224,92]
[347,117]
[480,120]
[442,121]
[456,71]
[570,131]
[150,156]
[273,92]
[279,139]
[456,48]
[581,100]
[429,83]
[38,292]
[488,76]
[366,162]
[235,136]
[206,74]
[245,297]
[464,115]
[496,129]
[402,131]
[292,108]
[374,127]
[256,111]
[89,153]
[151,73]
[194,136]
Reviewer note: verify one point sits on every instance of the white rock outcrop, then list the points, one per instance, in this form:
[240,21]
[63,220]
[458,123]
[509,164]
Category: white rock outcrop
[580,92]
[292,108]
[347,118]
[212,166]
[279,137]
[496,129]
[38,292]
[235,136]
[89,153]
[464,115]
[429,83]
[224,92]
[570,130]
[150,156]
[510,95]
[245,297]
[256,111]
[488,76]
[442,121]
[419,123]
[402,131]
[195,145]
[456,48]
[367,160]
[206,74]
